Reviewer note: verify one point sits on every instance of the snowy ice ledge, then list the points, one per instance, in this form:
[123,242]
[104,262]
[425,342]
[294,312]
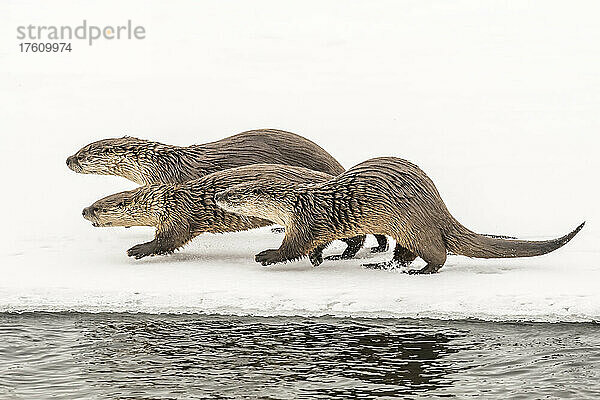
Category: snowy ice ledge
[216,274]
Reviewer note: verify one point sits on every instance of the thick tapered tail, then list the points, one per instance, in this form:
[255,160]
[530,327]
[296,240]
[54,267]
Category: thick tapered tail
[460,240]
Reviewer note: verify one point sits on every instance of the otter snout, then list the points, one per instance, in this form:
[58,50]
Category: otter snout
[73,163]
[89,212]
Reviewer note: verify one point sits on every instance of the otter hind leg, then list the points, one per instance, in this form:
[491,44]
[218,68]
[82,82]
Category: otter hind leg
[354,245]
[278,229]
[404,255]
[433,251]
[428,269]
[382,244]
[402,258]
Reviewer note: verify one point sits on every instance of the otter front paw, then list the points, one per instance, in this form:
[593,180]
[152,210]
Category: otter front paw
[316,258]
[268,257]
[382,244]
[343,256]
[142,250]
[382,248]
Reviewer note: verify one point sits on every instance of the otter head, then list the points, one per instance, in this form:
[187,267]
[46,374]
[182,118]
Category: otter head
[272,200]
[120,156]
[139,207]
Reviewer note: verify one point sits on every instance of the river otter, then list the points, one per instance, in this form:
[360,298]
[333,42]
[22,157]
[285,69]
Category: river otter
[183,211]
[384,195]
[145,162]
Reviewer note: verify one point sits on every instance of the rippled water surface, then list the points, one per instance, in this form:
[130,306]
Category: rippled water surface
[194,356]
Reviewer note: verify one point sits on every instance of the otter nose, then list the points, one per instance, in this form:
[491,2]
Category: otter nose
[89,211]
[71,161]
[219,196]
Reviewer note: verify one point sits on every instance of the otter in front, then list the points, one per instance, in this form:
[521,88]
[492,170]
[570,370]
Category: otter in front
[183,211]
[145,162]
[386,195]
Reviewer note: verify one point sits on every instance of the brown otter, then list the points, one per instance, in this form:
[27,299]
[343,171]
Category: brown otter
[146,162]
[384,195]
[183,211]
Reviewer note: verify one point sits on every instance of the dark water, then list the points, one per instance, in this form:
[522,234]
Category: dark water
[173,356]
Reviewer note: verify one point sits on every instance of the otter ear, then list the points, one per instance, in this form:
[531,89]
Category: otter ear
[258,191]
[121,204]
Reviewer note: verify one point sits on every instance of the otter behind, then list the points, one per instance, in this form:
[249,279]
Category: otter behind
[146,162]
[385,195]
[183,211]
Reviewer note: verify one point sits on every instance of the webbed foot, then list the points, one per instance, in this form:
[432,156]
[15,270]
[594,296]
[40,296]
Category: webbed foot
[382,244]
[142,250]
[277,230]
[428,269]
[316,258]
[268,257]
[354,244]
[344,256]
[380,248]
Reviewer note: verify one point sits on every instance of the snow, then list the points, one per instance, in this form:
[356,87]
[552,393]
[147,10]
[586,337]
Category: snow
[498,103]
[216,274]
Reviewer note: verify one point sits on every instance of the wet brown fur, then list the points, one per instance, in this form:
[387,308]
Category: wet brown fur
[386,195]
[146,162]
[183,211]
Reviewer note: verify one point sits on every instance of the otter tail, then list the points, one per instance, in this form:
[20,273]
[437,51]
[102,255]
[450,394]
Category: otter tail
[460,240]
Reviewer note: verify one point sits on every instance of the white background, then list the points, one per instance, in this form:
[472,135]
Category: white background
[497,101]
